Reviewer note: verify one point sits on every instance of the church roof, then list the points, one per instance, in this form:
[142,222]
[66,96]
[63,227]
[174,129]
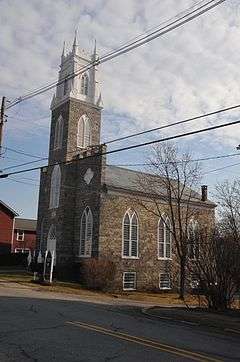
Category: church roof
[129,180]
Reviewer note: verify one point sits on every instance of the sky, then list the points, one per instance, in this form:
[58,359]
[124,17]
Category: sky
[187,72]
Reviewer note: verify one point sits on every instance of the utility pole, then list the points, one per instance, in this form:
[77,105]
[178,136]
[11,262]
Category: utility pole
[2,112]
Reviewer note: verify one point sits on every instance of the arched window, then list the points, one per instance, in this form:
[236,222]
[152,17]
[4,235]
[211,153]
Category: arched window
[55,187]
[58,133]
[130,235]
[193,242]
[84,132]
[84,84]
[86,233]
[52,239]
[164,238]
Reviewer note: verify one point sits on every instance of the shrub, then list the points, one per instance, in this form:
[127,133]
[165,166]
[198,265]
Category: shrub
[98,274]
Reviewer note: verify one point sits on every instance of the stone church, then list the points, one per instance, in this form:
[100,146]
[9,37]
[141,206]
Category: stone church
[87,208]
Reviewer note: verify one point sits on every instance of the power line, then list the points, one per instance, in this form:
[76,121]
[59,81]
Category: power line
[131,135]
[73,187]
[192,160]
[222,168]
[129,147]
[20,152]
[24,164]
[124,49]
[174,124]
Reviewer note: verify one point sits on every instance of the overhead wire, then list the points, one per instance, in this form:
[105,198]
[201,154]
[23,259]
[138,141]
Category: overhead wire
[222,110]
[128,147]
[124,49]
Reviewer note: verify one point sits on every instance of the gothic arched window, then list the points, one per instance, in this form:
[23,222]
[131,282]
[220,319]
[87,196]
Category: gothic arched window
[86,233]
[193,242]
[130,235]
[58,135]
[84,84]
[52,239]
[164,238]
[55,187]
[84,132]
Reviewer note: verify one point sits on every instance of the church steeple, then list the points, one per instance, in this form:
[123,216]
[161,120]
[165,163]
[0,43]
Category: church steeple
[76,106]
[84,85]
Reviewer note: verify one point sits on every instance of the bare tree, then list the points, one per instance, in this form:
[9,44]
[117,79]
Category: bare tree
[171,189]
[228,197]
[217,267]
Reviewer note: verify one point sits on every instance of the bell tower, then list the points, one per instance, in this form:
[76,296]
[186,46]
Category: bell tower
[76,105]
[67,187]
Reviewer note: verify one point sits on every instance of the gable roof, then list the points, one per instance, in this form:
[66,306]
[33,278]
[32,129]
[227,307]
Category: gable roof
[25,224]
[128,180]
[14,213]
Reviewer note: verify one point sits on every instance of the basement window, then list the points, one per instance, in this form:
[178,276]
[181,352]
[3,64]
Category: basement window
[129,281]
[164,281]
[194,283]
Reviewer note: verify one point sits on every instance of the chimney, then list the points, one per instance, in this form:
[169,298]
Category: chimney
[204,192]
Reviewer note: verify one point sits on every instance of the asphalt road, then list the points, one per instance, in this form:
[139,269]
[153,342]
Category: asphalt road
[39,327]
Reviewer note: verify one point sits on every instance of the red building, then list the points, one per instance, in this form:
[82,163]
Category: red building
[7,219]
[17,235]
[24,235]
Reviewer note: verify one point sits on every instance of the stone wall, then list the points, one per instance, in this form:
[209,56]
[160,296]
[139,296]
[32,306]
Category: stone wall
[147,265]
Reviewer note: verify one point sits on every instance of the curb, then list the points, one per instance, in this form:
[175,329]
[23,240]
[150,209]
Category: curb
[196,324]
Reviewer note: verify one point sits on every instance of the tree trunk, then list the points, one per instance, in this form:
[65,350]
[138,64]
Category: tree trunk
[182,278]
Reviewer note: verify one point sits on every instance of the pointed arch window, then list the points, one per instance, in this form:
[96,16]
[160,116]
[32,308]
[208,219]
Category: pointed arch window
[84,132]
[86,233]
[130,235]
[58,136]
[84,84]
[164,238]
[51,239]
[55,187]
[193,242]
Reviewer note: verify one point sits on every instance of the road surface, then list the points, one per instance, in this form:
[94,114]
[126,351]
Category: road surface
[41,327]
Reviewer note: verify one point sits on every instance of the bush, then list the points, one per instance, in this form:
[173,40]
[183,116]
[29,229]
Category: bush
[98,274]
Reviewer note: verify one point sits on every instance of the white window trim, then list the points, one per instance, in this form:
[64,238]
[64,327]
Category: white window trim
[84,84]
[58,134]
[135,281]
[130,237]
[21,250]
[22,233]
[81,138]
[54,192]
[90,254]
[164,288]
[195,225]
[164,257]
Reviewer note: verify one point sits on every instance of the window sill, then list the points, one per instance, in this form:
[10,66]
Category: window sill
[129,289]
[84,256]
[159,258]
[130,257]
[165,288]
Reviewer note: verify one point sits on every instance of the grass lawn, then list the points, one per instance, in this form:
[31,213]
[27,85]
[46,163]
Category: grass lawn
[77,289]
